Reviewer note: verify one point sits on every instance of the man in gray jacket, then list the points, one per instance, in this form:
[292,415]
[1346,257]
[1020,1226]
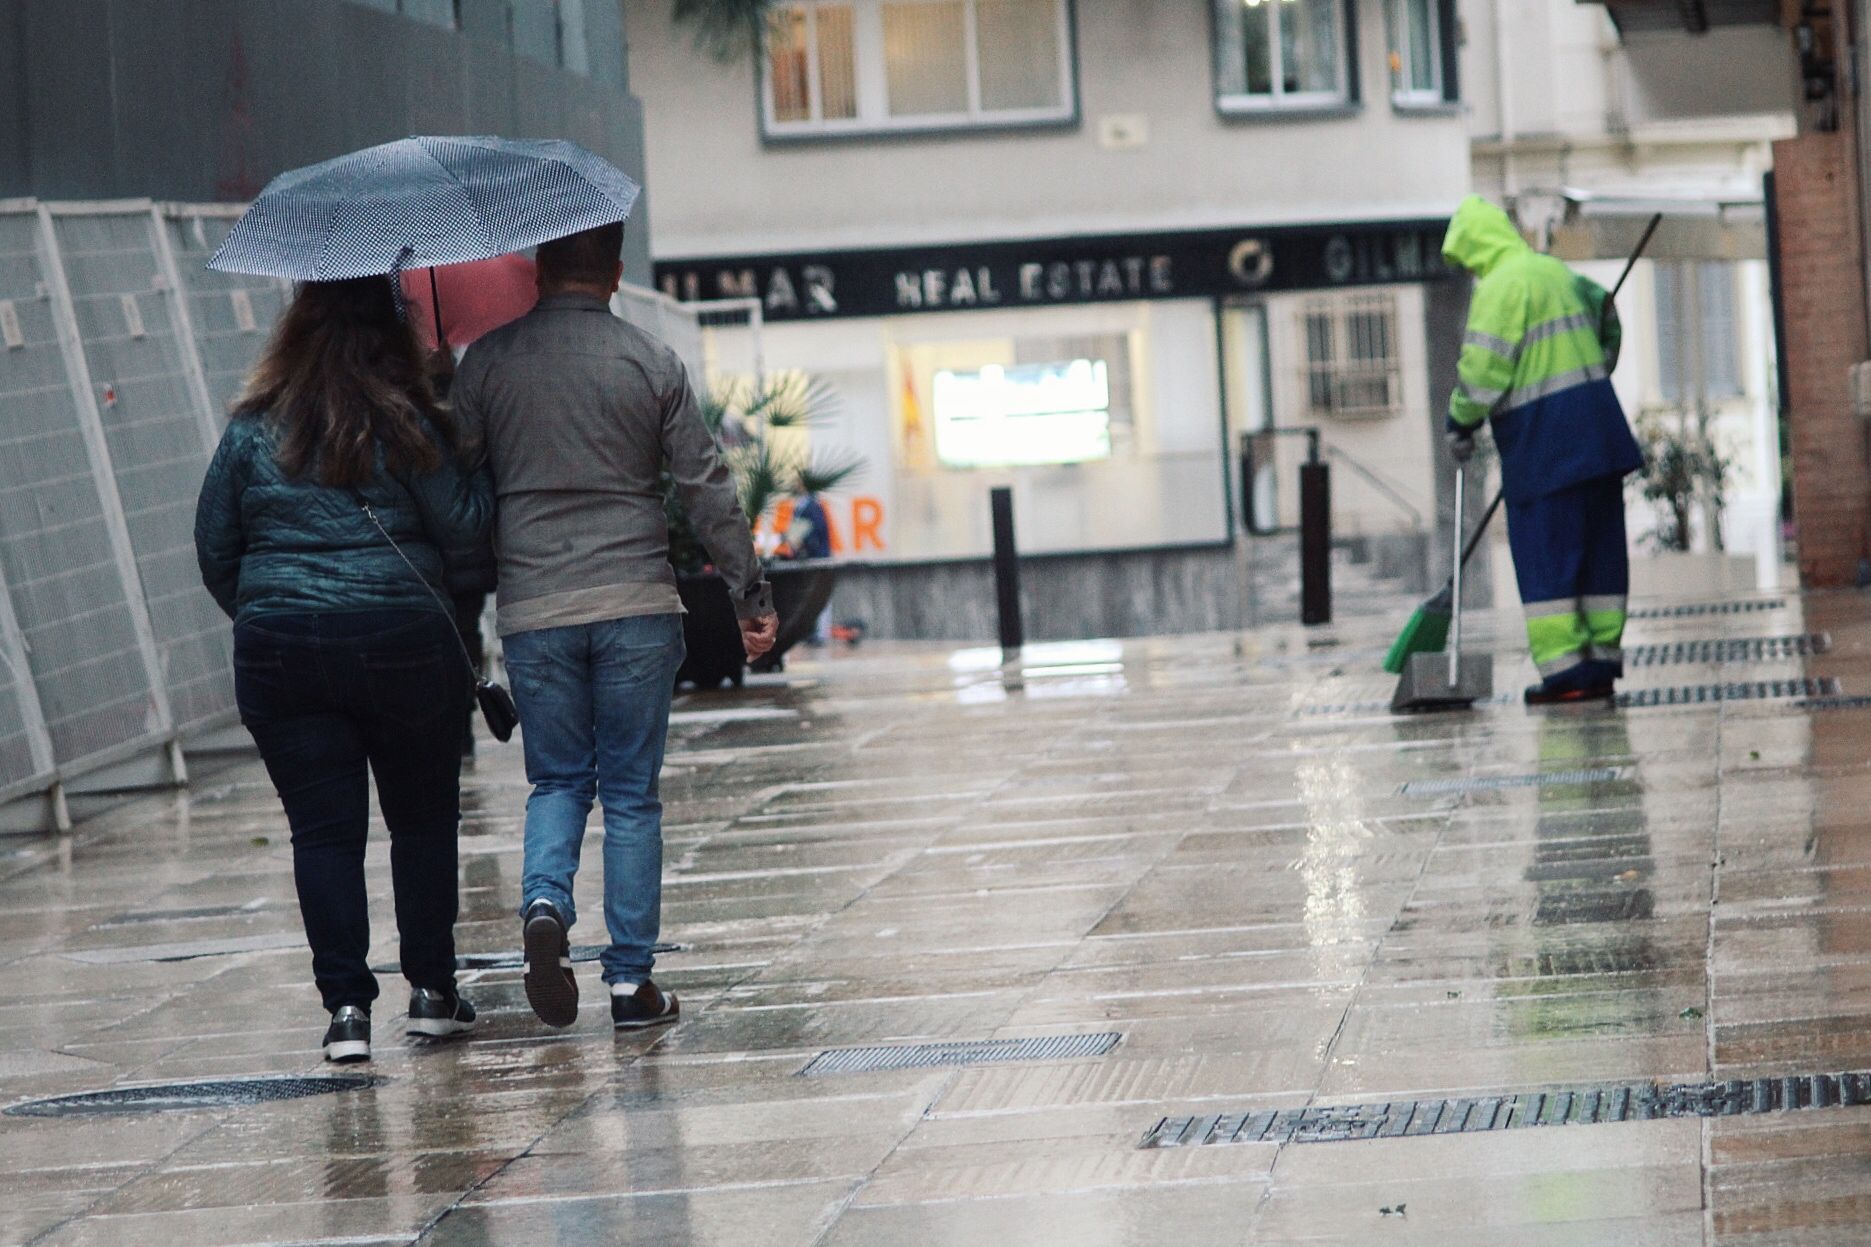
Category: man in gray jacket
[580,414]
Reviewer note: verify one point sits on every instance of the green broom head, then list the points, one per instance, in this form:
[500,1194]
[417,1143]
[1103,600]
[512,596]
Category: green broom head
[1426,633]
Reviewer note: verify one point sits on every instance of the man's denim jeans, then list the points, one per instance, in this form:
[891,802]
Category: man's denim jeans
[594,717]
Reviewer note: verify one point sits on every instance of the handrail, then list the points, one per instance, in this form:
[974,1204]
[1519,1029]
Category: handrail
[1380,485]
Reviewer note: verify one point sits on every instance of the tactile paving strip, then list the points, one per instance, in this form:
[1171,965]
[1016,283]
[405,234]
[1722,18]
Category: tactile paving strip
[1728,649]
[1611,1102]
[1693,609]
[976,1052]
[182,1096]
[1497,783]
[1753,690]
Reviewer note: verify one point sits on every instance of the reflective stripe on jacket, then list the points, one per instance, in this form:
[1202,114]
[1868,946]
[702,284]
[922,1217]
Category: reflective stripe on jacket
[1536,359]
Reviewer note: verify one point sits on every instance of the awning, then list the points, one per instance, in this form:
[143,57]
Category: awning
[1693,16]
[1599,226]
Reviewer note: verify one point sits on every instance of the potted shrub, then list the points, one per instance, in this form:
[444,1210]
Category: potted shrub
[762,431]
[1683,472]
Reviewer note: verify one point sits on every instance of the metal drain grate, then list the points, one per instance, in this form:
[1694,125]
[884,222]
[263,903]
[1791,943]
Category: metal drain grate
[514,959]
[1695,609]
[1574,1106]
[1729,649]
[182,1096]
[1836,703]
[978,1052]
[136,916]
[1705,694]
[1496,783]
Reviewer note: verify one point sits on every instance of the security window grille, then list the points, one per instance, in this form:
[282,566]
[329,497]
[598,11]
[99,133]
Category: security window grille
[1352,369]
[1696,332]
[1417,53]
[858,66]
[1272,54]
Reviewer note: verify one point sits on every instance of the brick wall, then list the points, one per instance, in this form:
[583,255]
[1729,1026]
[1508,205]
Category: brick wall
[1821,273]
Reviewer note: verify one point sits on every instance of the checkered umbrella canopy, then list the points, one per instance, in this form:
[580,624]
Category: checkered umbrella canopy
[420,202]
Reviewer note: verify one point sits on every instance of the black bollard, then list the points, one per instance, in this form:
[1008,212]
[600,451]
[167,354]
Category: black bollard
[1006,572]
[1315,542]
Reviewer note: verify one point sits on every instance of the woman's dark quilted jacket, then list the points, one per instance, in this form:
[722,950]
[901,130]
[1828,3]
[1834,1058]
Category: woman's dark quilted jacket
[270,544]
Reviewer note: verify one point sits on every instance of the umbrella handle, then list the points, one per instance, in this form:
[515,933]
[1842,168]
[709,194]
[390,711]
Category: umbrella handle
[435,305]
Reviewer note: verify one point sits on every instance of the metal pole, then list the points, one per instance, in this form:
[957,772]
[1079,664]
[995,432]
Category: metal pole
[1455,580]
[1006,574]
[1315,541]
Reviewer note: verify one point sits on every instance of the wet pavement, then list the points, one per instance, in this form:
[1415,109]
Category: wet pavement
[1278,896]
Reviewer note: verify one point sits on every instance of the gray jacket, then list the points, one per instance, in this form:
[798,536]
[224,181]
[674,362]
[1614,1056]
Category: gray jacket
[580,414]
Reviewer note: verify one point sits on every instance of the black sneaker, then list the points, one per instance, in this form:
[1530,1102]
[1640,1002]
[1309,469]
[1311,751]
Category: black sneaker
[551,987]
[347,1039]
[439,1014]
[1545,695]
[637,1005]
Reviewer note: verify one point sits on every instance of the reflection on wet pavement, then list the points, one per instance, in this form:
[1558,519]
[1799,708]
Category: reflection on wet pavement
[1216,847]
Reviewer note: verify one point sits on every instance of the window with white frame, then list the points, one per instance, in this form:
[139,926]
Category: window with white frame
[1273,54]
[1697,349]
[1418,53]
[1352,368]
[855,66]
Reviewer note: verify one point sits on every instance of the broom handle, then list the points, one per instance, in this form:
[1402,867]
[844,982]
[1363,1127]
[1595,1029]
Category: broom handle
[1641,244]
[1475,539]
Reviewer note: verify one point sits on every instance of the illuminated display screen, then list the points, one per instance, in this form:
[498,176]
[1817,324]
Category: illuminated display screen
[1024,414]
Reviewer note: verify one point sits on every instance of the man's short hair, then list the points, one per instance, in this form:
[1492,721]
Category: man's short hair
[587,258]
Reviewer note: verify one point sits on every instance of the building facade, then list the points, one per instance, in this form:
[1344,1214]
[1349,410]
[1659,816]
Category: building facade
[1079,248]
[1585,129]
[207,100]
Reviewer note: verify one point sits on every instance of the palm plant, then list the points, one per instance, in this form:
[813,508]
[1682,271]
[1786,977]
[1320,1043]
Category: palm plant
[727,28]
[761,427]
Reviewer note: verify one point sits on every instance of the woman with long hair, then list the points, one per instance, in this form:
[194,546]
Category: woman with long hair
[336,515]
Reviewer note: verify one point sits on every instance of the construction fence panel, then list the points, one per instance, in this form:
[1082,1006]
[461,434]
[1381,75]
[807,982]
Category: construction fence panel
[231,314]
[77,616]
[148,386]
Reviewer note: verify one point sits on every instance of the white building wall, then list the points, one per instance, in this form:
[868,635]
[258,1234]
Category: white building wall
[1560,103]
[716,189]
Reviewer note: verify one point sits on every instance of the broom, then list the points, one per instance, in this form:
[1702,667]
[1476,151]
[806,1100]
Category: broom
[1428,629]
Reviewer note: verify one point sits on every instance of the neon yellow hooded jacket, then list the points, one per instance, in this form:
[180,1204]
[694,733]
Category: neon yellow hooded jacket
[1536,360]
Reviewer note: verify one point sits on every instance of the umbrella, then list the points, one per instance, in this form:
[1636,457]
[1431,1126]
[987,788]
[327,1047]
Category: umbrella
[475,298]
[420,202]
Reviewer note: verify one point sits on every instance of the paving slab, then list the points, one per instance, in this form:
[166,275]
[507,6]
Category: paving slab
[1287,904]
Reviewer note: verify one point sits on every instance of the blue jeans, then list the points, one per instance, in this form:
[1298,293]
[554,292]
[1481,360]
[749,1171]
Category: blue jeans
[594,717]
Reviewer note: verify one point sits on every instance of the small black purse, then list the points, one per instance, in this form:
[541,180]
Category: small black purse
[496,703]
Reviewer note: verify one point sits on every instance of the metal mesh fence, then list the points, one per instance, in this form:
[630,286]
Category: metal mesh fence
[119,355]
[60,553]
[229,313]
[158,433]
[662,317]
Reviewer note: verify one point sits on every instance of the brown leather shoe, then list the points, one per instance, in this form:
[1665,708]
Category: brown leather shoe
[647,1005]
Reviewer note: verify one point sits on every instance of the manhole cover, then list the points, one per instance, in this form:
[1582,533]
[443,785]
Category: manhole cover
[1612,1102]
[182,1096]
[1497,783]
[1693,609]
[1730,649]
[1706,694]
[978,1052]
[513,960]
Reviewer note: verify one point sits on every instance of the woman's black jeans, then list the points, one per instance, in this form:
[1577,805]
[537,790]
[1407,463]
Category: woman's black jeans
[325,695]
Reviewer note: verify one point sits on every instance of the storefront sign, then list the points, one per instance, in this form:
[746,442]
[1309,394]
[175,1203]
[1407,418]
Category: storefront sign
[1048,272]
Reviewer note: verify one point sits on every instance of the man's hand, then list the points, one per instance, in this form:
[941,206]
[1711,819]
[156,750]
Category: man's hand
[758,634]
[1461,446]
